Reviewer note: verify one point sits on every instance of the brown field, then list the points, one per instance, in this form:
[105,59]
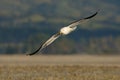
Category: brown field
[73,67]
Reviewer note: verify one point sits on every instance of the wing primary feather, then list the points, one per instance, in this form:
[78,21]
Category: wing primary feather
[75,23]
[48,42]
[91,16]
[35,51]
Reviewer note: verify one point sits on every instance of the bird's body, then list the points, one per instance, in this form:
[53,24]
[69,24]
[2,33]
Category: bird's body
[63,31]
[67,30]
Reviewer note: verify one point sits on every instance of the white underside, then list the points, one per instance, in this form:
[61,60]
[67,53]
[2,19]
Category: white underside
[67,30]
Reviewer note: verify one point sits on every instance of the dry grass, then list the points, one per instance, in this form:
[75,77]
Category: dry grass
[59,68]
[59,72]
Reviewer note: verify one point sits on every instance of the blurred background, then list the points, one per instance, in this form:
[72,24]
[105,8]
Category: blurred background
[26,24]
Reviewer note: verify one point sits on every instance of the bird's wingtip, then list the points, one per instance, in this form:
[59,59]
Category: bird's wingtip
[28,54]
[92,15]
[97,12]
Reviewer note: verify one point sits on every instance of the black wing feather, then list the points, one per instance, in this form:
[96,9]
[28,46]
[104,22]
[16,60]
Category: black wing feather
[75,23]
[48,42]
[30,54]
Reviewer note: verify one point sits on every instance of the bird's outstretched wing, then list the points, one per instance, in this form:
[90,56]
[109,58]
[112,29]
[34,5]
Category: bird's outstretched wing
[75,23]
[48,42]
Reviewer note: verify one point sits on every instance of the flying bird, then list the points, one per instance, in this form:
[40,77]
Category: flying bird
[63,31]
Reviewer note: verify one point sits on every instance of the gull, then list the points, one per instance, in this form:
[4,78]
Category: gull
[63,31]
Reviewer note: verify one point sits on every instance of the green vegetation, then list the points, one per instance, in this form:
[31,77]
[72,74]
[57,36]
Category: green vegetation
[25,24]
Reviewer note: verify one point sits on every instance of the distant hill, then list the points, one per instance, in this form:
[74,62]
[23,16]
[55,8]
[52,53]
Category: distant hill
[28,22]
